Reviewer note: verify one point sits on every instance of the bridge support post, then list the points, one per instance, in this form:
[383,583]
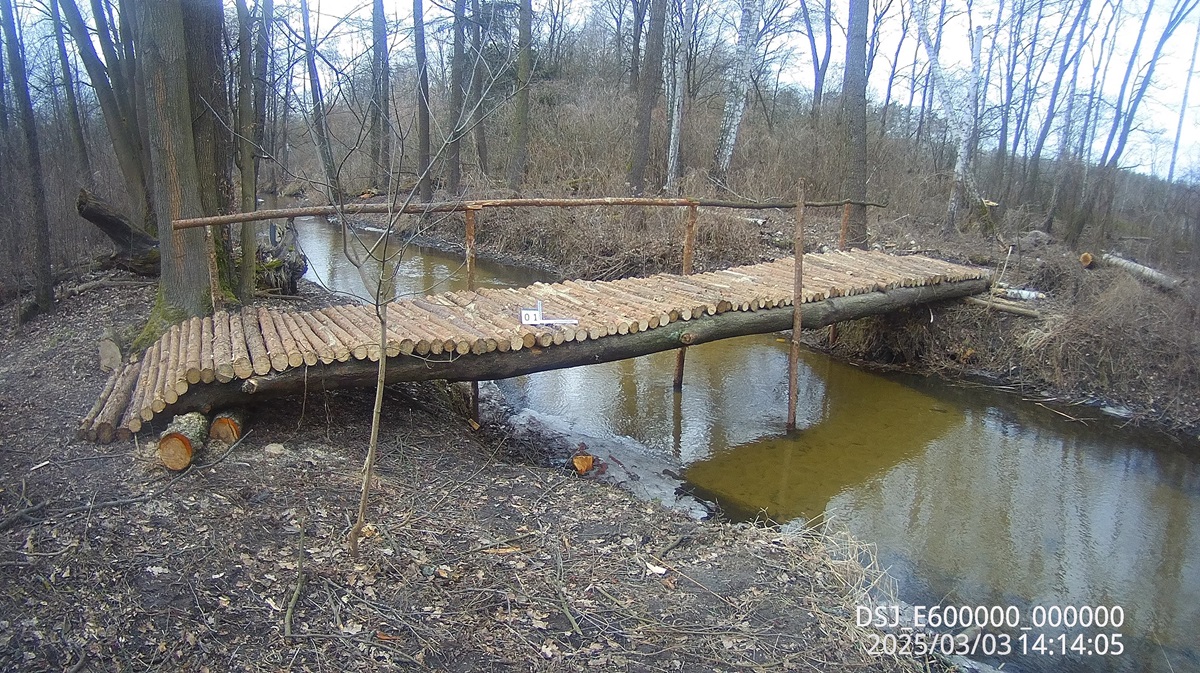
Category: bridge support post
[689,251]
[797,300]
[469,234]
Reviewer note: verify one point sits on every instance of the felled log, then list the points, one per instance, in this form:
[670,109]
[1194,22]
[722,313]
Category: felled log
[85,425]
[182,440]
[998,304]
[134,249]
[111,350]
[104,430]
[1169,283]
[497,365]
[228,426]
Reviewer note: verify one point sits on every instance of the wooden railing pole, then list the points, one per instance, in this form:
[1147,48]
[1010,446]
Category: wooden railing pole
[469,216]
[689,251]
[469,221]
[797,299]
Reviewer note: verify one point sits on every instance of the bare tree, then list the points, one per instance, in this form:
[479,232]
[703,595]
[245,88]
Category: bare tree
[380,114]
[820,56]
[648,87]
[737,84]
[678,89]
[43,277]
[457,97]
[320,125]
[477,72]
[75,125]
[1187,86]
[854,95]
[518,155]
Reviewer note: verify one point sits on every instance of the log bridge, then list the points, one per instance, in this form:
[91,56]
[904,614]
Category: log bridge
[235,358]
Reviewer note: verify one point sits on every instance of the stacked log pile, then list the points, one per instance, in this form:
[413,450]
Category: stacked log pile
[257,343]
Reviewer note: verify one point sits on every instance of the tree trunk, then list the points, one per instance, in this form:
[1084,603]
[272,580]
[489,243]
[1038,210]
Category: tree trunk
[650,83]
[518,156]
[424,164]
[1187,86]
[134,249]
[184,280]
[854,94]
[457,99]
[380,117]
[682,54]
[248,181]
[477,69]
[74,123]
[120,117]
[736,85]
[320,128]
[43,276]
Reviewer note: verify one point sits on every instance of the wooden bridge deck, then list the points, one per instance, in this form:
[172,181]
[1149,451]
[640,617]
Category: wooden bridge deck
[262,351]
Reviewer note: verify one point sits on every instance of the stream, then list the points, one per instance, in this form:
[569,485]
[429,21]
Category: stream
[970,497]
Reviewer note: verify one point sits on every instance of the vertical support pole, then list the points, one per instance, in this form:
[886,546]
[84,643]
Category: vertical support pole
[845,227]
[689,251]
[469,219]
[797,299]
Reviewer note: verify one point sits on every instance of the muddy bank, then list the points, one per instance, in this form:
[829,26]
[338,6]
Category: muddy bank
[476,560]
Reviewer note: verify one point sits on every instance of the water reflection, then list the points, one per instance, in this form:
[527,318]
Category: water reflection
[419,271]
[969,497]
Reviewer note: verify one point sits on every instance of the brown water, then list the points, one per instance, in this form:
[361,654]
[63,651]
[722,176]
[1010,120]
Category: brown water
[969,496]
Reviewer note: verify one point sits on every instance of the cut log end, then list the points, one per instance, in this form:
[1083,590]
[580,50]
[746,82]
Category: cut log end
[228,426]
[182,440]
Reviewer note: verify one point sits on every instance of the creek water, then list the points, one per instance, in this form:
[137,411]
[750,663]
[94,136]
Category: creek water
[969,496]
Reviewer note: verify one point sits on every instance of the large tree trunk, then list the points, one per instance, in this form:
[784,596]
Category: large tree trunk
[246,163]
[678,89]
[736,85]
[43,276]
[854,93]
[184,284]
[424,162]
[649,84]
[518,156]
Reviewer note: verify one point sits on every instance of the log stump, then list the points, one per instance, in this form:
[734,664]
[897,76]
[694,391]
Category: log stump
[228,426]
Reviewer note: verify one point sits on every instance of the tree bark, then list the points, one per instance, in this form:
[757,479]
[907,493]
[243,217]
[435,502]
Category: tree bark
[477,111]
[649,84]
[424,162]
[682,54]
[185,277]
[43,276]
[518,155]
[380,124]
[457,99]
[248,182]
[854,93]
[736,85]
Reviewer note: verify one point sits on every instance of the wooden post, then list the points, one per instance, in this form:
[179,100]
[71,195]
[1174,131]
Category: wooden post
[797,299]
[689,251]
[469,217]
[845,225]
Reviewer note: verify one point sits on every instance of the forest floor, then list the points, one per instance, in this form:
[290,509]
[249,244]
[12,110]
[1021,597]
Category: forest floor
[478,558]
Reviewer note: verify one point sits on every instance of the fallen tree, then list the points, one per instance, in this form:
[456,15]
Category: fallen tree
[499,365]
[1143,272]
[133,249]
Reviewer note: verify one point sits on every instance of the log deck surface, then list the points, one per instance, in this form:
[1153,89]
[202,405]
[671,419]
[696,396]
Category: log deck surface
[250,354]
